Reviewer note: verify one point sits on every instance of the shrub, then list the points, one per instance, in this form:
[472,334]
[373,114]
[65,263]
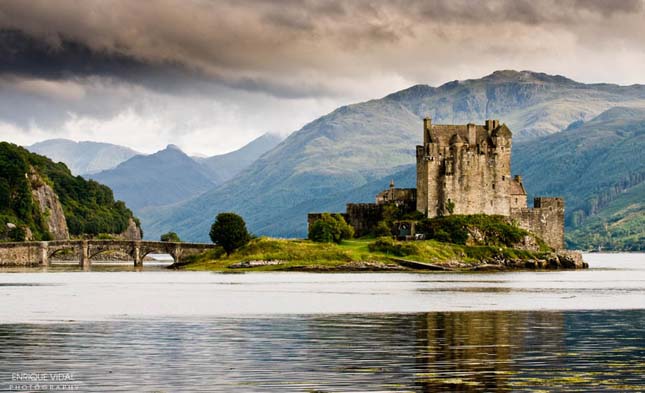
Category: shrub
[330,228]
[321,231]
[495,230]
[170,237]
[229,231]
[382,229]
[389,246]
[17,234]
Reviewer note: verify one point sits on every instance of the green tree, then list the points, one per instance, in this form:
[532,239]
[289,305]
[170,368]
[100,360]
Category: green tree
[330,228]
[17,234]
[229,231]
[170,237]
[321,231]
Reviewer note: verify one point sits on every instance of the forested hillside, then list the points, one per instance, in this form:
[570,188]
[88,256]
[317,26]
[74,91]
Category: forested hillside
[598,167]
[89,207]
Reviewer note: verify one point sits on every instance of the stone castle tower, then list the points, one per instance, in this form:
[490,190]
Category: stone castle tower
[466,169]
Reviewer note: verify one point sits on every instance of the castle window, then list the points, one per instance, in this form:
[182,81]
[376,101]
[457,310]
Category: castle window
[503,178]
[493,186]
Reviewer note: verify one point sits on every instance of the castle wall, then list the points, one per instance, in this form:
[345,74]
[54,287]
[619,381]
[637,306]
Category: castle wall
[545,219]
[363,217]
[473,181]
[422,181]
[403,198]
[518,202]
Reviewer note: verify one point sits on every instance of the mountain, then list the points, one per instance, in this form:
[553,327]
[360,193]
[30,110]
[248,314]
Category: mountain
[163,178]
[83,157]
[42,200]
[598,167]
[225,166]
[358,144]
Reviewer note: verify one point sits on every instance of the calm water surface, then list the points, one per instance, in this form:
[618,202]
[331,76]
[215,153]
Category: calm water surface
[165,331]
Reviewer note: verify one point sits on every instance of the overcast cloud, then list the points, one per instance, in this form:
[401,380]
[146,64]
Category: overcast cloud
[211,75]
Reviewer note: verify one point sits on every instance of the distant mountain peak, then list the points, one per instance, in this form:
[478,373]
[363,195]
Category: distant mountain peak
[524,76]
[422,91]
[83,157]
[412,92]
[225,166]
[173,147]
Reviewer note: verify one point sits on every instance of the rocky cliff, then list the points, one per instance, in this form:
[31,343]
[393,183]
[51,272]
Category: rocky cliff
[132,232]
[50,207]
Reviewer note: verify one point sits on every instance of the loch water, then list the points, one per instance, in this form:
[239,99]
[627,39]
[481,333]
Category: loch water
[116,330]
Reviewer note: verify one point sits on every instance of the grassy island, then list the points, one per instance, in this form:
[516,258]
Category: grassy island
[454,243]
[380,254]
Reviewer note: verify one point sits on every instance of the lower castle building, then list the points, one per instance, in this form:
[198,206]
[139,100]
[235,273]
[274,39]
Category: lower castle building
[465,169]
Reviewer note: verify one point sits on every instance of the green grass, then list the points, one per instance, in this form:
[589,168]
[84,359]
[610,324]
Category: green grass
[307,255]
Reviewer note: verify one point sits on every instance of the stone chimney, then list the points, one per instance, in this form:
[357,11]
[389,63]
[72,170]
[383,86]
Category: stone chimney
[427,126]
[472,134]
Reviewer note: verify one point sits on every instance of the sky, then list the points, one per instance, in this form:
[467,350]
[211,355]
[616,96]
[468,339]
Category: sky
[211,75]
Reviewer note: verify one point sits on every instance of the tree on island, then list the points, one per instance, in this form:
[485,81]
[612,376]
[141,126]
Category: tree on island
[229,231]
[330,228]
[170,237]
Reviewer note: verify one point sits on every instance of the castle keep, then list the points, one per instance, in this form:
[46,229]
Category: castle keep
[466,169]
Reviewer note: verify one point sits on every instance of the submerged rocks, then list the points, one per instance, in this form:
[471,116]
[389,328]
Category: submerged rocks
[571,260]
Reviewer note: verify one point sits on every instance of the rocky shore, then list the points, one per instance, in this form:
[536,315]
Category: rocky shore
[553,261]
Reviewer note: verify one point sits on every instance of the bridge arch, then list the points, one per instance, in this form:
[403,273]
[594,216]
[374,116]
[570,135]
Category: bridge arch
[96,248]
[59,250]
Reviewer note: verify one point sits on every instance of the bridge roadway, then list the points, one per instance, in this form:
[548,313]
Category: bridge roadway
[40,253]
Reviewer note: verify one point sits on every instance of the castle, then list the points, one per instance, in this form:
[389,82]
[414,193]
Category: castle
[465,169]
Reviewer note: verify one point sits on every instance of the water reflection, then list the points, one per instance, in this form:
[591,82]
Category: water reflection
[430,352]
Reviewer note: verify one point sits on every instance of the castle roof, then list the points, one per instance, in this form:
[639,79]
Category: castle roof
[517,188]
[444,133]
[456,139]
[502,131]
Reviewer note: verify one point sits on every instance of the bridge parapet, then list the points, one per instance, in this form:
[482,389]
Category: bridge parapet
[40,253]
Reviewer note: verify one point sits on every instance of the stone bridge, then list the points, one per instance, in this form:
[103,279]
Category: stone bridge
[40,253]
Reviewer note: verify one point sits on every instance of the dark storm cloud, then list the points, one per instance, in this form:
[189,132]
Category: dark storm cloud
[285,48]
[23,54]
